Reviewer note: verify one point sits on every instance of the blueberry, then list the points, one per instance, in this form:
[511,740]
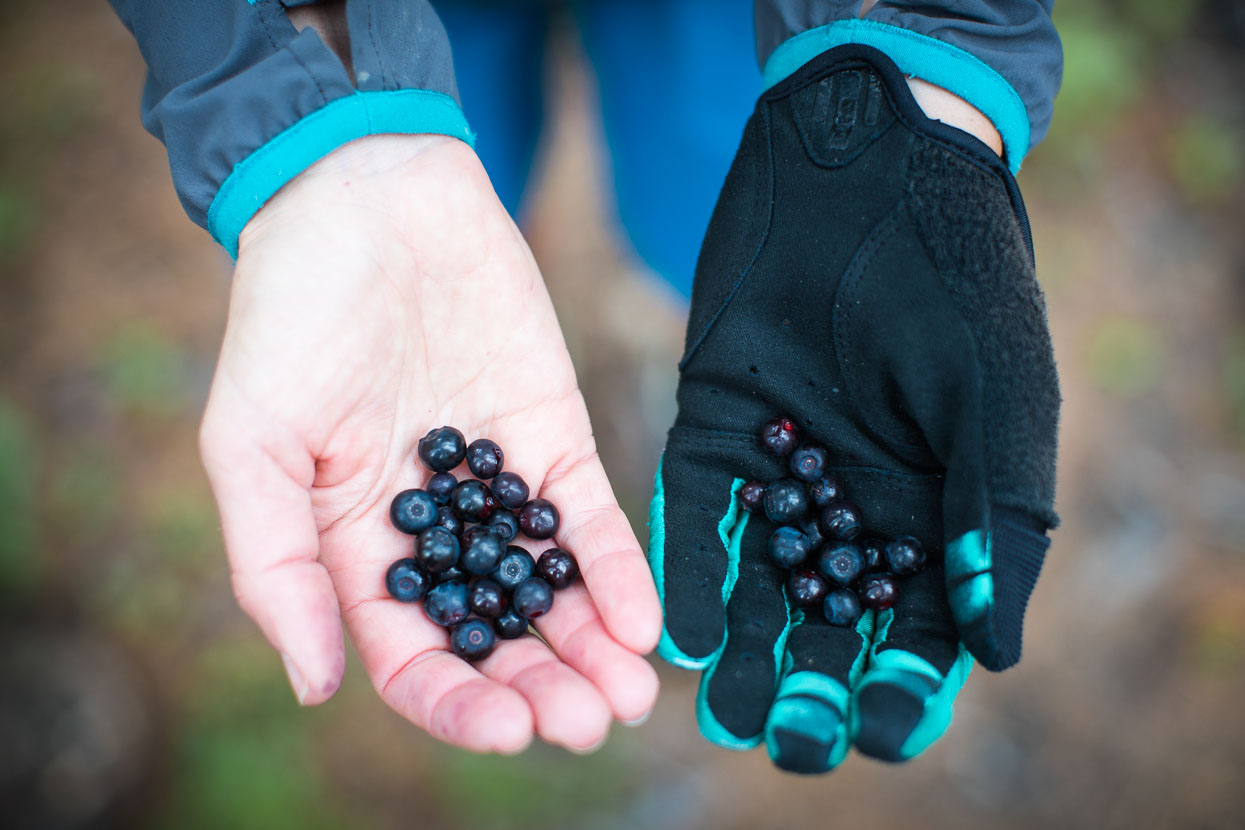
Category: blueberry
[440,486]
[447,520]
[412,511]
[471,500]
[752,496]
[809,462]
[788,547]
[785,501]
[841,562]
[806,588]
[510,489]
[811,527]
[487,598]
[558,568]
[533,598]
[510,625]
[482,550]
[779,436]
[406,582]
[840,520]
[442,449]
[516,566]
[436,550]
[446,604]
[825,490]
[841,607]
[878,591]
[484,458]
[504,523]
[873,549]
[453,574]
[473,639]
[905,556]
[539,519]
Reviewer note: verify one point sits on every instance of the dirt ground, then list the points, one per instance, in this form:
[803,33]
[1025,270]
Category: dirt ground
[133,692]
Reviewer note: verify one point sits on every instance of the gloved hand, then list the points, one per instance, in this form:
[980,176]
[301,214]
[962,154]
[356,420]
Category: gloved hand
[868,272]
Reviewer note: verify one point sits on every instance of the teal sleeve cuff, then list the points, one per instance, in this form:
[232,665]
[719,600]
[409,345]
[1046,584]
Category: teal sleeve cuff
[258,177]
[923,57]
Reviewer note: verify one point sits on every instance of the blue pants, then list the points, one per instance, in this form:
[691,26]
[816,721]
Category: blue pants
[678,79]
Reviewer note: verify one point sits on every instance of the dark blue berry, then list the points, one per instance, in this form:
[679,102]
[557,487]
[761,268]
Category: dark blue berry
[878,591]
[806,588]
[873,550]
[785,501]
[482,550]
[788,547]
[406,582]
[841,607]
[487,599]
[484,458]
[472,639]
[436,550]
[840,520]
[510,625]
[752,496]
[825,490]
[558,568]
[442,449]
[504,523]
[440,486]
[533,598]
[905,556]
[841,562]
[780,436]
[447,520]
[516,566]
[510,490]
[809,462]
[471,500]
[446,604]
[412,511]
[539,519]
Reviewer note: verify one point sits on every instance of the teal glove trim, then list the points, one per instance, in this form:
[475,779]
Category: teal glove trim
[922,57]
[260,175]
[970,576]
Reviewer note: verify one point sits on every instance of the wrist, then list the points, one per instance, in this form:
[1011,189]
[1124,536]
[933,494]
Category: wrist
[942,105]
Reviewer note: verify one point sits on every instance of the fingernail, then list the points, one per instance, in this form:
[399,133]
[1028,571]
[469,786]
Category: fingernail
[588,750]
[297,682]
[640,721]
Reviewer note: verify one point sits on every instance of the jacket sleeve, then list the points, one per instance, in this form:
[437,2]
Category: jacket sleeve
[1002,56]
[244,102]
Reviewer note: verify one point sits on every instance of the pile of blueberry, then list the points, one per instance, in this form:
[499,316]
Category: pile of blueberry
[820,536]
[471,578]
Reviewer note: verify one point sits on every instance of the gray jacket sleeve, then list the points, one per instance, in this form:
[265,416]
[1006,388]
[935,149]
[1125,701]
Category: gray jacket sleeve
[1003,56]
[244,102]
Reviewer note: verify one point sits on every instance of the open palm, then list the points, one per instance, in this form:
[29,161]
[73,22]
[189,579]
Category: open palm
[384,292]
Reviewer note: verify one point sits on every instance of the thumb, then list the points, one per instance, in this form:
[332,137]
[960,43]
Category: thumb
[262,490]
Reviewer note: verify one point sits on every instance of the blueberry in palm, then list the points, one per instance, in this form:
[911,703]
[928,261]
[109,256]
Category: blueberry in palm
[472,639]
[442,449]
[436,550]
[484,458]
[510,490]
[413,510]
[440,485]
[472,501]
[447,603]
[557,567]
[482,550]
[510,625]
[406,581]
[515,566]
[539,519]
[487,598]
[533,598]
[504,523]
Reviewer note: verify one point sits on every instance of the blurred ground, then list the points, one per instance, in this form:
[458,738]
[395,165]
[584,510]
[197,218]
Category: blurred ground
[133,692]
